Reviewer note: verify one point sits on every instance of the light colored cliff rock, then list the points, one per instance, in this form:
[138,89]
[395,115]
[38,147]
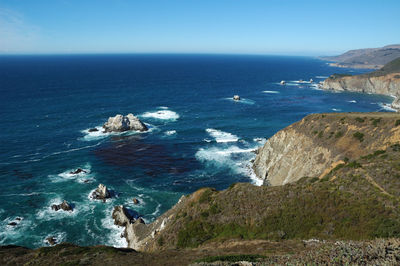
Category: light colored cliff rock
[120,123]
[319,141]
[141,236]
[388,84]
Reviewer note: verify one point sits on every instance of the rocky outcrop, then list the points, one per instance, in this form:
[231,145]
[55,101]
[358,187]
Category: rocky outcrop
[120,123]
[236,97]
[318,141]
[101,193]
[139,235]
[65,206]
[388,84]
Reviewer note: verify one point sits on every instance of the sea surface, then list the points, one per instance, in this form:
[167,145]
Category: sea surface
[198,135]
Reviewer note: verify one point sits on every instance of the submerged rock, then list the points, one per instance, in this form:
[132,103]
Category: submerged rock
[93,130]
[101,193]
[12,224]
[120,123]
[65,206]
[78,171]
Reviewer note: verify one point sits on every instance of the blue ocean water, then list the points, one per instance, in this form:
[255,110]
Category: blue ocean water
[199,136]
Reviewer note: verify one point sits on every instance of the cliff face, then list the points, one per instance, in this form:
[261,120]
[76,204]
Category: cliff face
[388,84]
[321,141]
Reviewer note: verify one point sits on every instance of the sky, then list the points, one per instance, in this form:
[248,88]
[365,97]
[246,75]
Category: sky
[287,27]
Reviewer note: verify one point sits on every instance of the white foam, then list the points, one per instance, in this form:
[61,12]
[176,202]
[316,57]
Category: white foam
[242,100]
[221,136]
[352,101]
[260,140]
[387,107]
[114,237]
[321,77]
[163,107]
[95,135]
[232,157]
[58,236]
[80,177]
[163,114]
[170,132]
[271,91]
[336,110]
[316,86]
[47,214]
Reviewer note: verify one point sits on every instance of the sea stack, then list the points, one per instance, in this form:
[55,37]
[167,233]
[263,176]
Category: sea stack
[236,97]
[120,123]
[101,193]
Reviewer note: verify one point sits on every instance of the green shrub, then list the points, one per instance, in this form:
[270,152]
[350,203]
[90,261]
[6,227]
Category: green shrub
[397,122]
[320,134]
[206,196]
[231,258]
[375,121]
[353,164]
[359,136]
[359,119]
[339,134]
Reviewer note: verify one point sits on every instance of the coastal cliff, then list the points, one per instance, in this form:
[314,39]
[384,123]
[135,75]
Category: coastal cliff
[320,141]
[385,81]
[333,165]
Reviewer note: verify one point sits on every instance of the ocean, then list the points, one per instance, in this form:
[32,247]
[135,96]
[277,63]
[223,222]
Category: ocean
[198,137]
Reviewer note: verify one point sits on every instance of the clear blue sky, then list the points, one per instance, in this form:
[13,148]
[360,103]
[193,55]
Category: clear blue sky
[202,26]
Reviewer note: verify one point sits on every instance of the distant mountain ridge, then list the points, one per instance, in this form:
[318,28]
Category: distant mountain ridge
[370,58]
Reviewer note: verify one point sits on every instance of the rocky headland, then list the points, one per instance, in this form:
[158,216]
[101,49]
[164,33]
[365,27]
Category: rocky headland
[385,81]
[370,58]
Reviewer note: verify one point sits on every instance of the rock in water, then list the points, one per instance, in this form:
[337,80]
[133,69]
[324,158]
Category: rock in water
[120,123]
[65,206]
[101,193]
[135,201]
[121,216]
[236,97]
[78,171]
[93,130]
[51,240]
[283,82]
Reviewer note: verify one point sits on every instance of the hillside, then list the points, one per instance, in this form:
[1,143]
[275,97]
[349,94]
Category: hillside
[351,202]
[384,81]
[372,58]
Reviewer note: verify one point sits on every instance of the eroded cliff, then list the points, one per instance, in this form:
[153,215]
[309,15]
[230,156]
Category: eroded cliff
[320,141]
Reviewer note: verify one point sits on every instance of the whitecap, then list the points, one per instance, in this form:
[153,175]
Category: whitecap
[95,135]
[321,77]
[170,132]
[336,110]
[242,100]
[161,114]
[163,107]
[352,101]
[271,91]
[221,136]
